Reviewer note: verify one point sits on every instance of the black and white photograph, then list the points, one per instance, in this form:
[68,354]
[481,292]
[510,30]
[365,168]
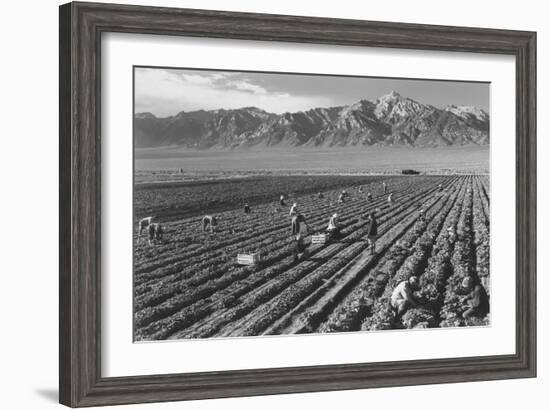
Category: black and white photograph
[281,203]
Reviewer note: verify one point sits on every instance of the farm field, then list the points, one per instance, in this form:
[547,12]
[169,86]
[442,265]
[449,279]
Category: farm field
[174,200]
[190,286]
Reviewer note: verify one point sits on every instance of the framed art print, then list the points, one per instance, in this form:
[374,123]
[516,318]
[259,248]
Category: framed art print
[258,204]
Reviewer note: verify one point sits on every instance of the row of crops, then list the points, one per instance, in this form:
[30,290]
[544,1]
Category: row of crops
[191,287]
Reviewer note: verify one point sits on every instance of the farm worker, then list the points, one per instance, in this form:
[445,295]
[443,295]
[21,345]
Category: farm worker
[320,195]
[372,232]
[421,215]
[402,297]
[440,187]
[477,301]
[390,198]
[209,222]
[451,232]
[369,196]
[341,198]
[333,227]
[299,248]
[143,224]
[246,208]
[293,209]
[296,225]
[159,231]
[282,200]
[154,232]
[384,187]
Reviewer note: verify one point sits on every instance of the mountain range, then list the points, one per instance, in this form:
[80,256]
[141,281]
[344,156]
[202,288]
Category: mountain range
[391,120]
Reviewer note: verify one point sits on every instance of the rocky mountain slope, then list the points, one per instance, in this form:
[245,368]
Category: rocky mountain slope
[391,120]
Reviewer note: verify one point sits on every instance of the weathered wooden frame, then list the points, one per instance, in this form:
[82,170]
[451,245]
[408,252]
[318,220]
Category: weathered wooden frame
[81,27]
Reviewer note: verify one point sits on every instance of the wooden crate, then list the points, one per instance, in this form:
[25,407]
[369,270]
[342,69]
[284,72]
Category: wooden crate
[320,238]
[248,258]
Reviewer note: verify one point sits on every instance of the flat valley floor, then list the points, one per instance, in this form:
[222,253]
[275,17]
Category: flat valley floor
[167,161]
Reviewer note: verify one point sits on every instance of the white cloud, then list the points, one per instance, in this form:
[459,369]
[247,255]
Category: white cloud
[166,92]
[197,79]
[246,86]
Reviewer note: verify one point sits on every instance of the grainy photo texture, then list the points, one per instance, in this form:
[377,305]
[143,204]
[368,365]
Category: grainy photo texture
[275,204]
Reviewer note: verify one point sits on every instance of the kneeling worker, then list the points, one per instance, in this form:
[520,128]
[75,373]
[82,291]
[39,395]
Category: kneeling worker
[402,297]
[477,302]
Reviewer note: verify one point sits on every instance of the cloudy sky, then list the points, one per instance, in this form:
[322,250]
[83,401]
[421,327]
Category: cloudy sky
[165,92]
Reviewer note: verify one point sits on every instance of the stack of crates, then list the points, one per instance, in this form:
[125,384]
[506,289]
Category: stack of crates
[320,238]
[248,258]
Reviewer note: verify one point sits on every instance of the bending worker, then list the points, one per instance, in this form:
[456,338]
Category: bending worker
[296,224]
[333,229]
[209,222]
[422,215]
[402,297]
[155,232]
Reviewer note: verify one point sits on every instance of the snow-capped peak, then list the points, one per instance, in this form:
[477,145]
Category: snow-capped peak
[465,111]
